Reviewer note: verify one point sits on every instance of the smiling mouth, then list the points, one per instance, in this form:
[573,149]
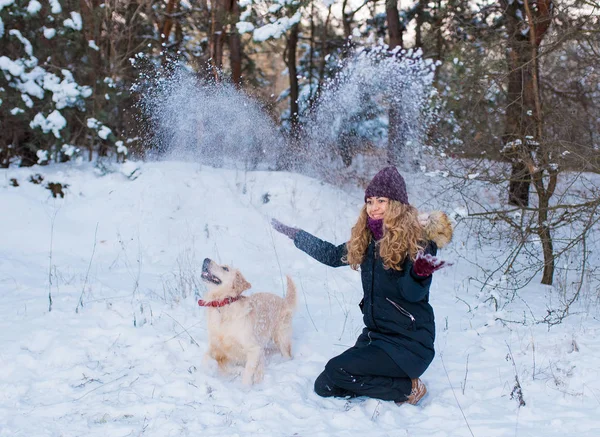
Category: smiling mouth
[209,277]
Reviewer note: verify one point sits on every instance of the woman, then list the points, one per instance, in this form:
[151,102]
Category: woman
[394,248]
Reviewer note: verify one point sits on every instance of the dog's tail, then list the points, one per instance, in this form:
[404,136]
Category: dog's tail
[290,295]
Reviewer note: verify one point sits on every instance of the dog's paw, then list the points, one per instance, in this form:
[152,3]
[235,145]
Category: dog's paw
[247,379]
[286,352]
[259,375]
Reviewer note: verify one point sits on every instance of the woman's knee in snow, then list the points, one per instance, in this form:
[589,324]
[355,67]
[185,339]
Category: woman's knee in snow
[334,368]
[323,386]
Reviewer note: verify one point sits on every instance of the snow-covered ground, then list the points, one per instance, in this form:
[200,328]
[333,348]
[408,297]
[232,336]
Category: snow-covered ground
[121,352]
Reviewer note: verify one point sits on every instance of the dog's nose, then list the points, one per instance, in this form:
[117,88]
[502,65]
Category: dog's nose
[205,264]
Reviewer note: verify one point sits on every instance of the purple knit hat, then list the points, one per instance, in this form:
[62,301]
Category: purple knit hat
[388,183]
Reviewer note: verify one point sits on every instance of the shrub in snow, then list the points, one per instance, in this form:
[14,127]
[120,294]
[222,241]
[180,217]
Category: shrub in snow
[45,87]
[57,189]
[268,19]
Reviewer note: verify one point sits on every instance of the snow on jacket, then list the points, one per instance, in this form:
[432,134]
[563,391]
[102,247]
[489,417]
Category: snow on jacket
[396,311]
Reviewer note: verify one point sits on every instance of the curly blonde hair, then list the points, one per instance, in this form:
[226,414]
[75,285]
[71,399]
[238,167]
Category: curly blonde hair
[402,236]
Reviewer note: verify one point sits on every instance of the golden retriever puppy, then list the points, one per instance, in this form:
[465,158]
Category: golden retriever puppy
[241,327]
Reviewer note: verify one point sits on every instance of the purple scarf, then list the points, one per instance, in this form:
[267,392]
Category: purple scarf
[376,227]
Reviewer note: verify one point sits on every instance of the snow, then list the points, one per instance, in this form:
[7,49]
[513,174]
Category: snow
[1,28]
[74,22]
[12,67]
[104,132]
[245,15]
[5,3]
[27,100]
[33,80]
[54,122]
[34,7]
[56,8]
[519,15]
[65,92]
[29,83]
[244,27]
[92,45]
[130,360]
[92,123]
[42,156]
[276,29]
[121,148]
[461,211]
[24,41]
[130,169]
[49,33]
[69,149]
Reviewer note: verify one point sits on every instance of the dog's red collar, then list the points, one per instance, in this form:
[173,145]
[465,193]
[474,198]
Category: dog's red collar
[218,303]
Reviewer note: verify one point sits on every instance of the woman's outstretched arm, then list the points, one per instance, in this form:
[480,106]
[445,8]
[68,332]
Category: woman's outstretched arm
[323,251]
[320,250]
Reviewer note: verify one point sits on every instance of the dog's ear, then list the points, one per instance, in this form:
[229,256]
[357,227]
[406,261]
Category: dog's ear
[240,284]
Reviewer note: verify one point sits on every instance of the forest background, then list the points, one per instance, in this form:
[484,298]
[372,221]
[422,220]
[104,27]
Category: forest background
[505,92]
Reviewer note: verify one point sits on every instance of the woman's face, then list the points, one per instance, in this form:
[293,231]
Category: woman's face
[376,206]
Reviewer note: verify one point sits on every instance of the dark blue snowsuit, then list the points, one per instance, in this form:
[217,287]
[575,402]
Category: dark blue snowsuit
[397,341]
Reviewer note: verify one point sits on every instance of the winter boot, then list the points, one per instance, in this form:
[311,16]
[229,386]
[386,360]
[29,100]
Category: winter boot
[417,393]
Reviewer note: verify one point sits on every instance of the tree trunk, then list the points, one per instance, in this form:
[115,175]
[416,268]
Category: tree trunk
[216,37]
[523,113]
[545,193]
[538,27]
[93,30]
[524,142]
[323,53]
[346,21]
[543,231]
[395,130]
[289,159]
[311,53]
[519,128]
[4,156]
[518,186]
[292,45]
[168,24]
[235,44]
[393,22]
[419,19]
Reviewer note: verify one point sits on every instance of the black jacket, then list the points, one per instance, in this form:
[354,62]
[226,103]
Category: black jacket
[395,306]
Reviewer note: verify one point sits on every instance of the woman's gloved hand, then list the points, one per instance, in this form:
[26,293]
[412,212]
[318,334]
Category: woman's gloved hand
[288,231]
[425,265]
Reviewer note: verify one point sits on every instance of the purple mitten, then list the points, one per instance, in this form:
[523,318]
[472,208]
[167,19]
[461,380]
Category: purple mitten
[425,265]
[288,231]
